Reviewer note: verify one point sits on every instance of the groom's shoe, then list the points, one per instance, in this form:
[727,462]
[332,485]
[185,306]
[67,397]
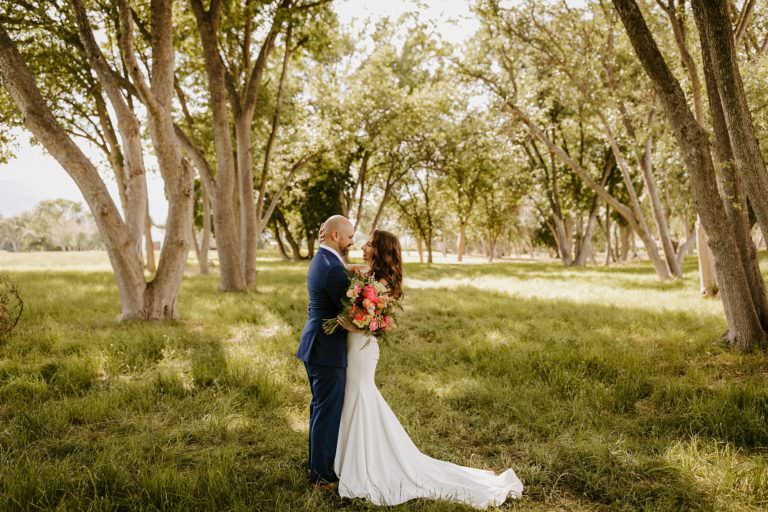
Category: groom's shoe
[325,486]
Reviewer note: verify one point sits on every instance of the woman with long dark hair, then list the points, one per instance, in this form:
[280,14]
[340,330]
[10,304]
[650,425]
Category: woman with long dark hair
[375,458]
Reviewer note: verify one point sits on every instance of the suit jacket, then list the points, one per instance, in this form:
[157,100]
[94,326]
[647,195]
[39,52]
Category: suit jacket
[327,283]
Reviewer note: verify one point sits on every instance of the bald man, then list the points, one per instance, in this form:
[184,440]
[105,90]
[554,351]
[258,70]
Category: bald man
[325,355]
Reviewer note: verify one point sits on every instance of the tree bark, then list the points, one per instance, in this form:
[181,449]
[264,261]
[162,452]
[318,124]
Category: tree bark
[707,274]
[149,247]
[206,241]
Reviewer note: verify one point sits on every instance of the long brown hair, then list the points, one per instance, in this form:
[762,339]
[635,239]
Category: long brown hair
[387,260]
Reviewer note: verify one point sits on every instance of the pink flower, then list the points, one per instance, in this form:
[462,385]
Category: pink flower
[374,325]
[370,292]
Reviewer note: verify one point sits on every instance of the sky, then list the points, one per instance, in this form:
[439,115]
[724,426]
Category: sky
[34,175]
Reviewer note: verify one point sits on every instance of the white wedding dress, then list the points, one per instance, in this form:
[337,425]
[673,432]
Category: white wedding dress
[376,459]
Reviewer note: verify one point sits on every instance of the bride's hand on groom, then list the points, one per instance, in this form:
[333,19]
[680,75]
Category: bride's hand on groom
[347,324]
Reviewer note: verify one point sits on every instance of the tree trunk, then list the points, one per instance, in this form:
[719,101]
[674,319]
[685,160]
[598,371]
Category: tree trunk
[131,164]
[735,197]
[623,241]
[279,240]
[716,35]
[658,211]
[206,241]
[295,247]
[636,219]
[361,179]
[420,248]
[707,276]
[228,243]
[686,247]
[462,238]
[248,214]
[628,213]
[310,246]
[744,328]
[563,240]
[607,235]
[705,258]
[491,248]
[380,209]
[160,294]
[149,244]
[139,299]
[195,243]
[585,248]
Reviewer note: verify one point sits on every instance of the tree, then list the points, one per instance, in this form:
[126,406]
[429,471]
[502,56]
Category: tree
[418,208]
[235,80]
[139,299]
[528,51]
[739,280]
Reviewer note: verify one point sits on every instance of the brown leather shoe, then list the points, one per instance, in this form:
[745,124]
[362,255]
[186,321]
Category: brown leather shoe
[326,486]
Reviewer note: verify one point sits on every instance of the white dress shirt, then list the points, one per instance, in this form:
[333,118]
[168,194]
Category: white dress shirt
[334,252]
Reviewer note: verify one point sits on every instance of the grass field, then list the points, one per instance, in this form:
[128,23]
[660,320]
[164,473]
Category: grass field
[602,388]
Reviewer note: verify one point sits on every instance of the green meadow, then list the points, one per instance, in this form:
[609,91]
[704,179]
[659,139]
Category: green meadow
[603,388]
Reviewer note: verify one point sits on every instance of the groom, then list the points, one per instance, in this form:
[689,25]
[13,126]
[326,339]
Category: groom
[325,355]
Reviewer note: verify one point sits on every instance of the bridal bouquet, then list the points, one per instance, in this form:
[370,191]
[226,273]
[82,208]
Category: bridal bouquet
[368,304]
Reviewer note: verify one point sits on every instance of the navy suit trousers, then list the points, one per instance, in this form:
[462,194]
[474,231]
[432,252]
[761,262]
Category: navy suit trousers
[327,384]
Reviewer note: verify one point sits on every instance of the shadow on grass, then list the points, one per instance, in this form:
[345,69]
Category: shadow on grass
[582,400]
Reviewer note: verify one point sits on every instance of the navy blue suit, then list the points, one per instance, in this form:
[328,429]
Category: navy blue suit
[325,359]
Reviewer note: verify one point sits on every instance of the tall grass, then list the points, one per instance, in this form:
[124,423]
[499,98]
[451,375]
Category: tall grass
[604,389]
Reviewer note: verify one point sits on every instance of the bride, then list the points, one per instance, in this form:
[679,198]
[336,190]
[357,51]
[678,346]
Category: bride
[375,457]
